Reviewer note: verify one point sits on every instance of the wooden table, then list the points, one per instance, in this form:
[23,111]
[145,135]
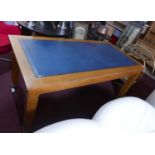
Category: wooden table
[54,64]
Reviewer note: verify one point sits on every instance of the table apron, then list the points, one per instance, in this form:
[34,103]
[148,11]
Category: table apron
[78,82]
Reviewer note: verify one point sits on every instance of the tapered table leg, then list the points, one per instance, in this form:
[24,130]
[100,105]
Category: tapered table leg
[30,109]
[129,82]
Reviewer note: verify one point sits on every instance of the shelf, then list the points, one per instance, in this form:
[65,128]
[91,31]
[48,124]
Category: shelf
[117,25]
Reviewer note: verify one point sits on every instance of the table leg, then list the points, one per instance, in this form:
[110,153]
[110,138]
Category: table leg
[130,81]
[15,72]
[30,109]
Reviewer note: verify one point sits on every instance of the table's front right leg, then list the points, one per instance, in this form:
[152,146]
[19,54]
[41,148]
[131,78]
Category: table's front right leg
[129,82]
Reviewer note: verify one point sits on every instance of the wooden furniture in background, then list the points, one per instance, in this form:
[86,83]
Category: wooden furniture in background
[147,46]
[150,35]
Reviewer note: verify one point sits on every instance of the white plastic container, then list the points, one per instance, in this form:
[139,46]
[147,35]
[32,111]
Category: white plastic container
[80,30]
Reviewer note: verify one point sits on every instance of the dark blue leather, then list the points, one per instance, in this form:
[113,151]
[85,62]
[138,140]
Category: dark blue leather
[59,57]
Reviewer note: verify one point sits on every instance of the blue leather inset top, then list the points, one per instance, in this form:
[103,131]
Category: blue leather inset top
[48,57]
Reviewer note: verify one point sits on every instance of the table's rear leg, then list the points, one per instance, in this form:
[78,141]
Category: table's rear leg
[128,83]
[30,109]
[15,73]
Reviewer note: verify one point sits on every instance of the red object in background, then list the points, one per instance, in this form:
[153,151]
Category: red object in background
[5,30]
[113,39]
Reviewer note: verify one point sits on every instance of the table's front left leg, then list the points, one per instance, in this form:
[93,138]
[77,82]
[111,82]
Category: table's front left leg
[30,109]
[128,83]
